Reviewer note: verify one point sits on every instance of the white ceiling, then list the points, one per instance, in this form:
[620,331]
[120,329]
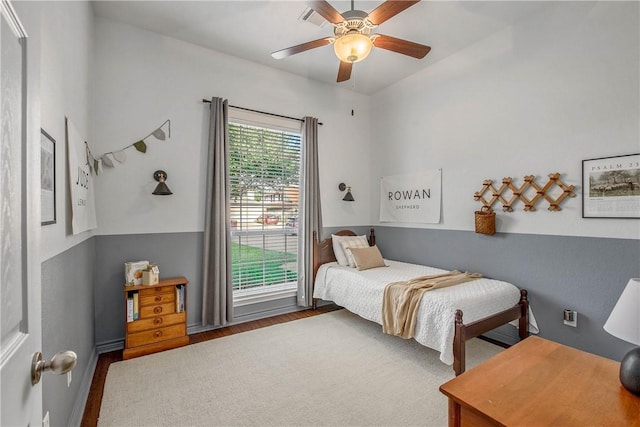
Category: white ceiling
[253,29]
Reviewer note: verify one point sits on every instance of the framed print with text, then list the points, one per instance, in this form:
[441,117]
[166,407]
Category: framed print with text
[611,187]
[47,178]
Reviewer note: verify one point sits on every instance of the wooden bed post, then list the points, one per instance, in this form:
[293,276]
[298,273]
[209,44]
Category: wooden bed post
[316,264]
[523,321]
[316,255]
[372,237]
[459,345]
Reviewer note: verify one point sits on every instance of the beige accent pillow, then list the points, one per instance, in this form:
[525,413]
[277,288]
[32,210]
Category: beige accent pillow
[347,245]
[366,258]
[338,250]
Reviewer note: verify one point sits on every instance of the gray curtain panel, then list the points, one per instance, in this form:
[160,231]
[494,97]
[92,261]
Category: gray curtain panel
[217,291]
[310,212]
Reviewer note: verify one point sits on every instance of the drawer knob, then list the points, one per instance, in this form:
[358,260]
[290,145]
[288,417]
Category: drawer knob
[157,310]
[157,320]
[157,334]
[158,298]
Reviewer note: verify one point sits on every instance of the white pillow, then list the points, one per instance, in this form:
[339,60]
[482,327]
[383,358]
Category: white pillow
[338,250]
[347,245]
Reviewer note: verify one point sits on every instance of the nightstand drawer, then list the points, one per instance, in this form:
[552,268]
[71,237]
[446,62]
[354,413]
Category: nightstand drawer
[155,322]
[156,335]
[157,310]
[151,299]
[157,290]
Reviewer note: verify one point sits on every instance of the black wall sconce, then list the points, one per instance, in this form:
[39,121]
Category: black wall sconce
[347,197]
[161,189]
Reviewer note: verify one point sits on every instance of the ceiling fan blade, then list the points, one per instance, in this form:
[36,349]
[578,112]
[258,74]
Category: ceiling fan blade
[404,47]
[344,72]
[327,11]
[283,53]
[389,9]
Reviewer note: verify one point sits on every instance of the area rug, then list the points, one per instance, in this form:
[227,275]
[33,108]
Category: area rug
[335,369]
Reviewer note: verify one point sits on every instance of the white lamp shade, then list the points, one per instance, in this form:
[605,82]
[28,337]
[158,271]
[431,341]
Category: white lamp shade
[352,47]
[624,320]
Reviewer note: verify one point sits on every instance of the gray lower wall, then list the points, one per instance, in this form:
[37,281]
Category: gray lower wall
[581,273]
[68,324]
[83,309]
[177,254]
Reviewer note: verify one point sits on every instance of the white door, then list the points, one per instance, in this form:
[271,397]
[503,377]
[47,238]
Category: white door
[20,323]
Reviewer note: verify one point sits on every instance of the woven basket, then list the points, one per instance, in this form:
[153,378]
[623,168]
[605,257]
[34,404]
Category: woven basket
[486,221]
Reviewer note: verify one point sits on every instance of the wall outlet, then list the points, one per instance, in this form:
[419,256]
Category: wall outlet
[69,379]
[571,318]
[45,420]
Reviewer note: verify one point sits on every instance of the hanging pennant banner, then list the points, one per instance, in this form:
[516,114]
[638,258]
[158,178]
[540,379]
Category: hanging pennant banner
[414,198]
[95,165]
[80,182]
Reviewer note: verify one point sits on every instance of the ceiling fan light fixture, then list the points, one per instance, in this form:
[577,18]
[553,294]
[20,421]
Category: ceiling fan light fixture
[352,47]
[353,40]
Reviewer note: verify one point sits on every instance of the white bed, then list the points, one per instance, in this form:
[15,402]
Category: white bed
[486,303]
[361,292]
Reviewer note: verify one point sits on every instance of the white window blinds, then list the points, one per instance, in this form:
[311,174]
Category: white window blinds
[264,174]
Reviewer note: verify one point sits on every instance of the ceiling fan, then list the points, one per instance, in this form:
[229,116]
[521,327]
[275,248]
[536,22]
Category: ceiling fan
[353,39]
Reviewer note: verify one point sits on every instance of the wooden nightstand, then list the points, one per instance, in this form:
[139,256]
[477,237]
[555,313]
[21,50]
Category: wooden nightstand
[161,318]
[541,383]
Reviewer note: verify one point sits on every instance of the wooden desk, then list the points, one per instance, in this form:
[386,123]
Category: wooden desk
[542,383]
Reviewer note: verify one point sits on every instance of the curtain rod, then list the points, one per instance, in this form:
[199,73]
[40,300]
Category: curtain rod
[262,112]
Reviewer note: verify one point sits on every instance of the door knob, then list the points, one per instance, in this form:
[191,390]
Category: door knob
[61,363]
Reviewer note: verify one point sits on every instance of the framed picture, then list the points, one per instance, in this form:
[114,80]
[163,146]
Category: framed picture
[611,187]
[47,178]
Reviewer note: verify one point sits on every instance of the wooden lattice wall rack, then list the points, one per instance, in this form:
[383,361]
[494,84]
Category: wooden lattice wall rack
[518,193]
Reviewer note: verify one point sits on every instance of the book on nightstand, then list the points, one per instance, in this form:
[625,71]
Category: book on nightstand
[179,298]
[136,306]
[130,308]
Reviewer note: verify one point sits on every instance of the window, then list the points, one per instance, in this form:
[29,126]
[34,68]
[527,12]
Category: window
[264,174]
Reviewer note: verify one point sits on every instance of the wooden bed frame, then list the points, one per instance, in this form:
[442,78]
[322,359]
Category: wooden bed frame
[323,253]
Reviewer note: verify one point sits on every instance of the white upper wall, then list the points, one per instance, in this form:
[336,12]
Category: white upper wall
[536,98]
[141,79]
[66,56]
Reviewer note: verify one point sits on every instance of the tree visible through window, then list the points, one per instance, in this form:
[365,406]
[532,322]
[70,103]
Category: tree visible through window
[264,172]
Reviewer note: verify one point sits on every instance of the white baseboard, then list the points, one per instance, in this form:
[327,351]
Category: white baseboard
[107,346]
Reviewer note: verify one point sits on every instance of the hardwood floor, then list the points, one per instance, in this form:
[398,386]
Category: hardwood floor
[92,407]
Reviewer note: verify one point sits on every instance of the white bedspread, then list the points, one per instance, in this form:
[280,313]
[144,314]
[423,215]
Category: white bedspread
[361,292]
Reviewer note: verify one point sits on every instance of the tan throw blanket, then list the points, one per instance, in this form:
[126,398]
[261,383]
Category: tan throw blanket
[401,300]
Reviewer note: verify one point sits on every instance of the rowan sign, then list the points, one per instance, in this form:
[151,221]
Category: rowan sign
[414,198]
